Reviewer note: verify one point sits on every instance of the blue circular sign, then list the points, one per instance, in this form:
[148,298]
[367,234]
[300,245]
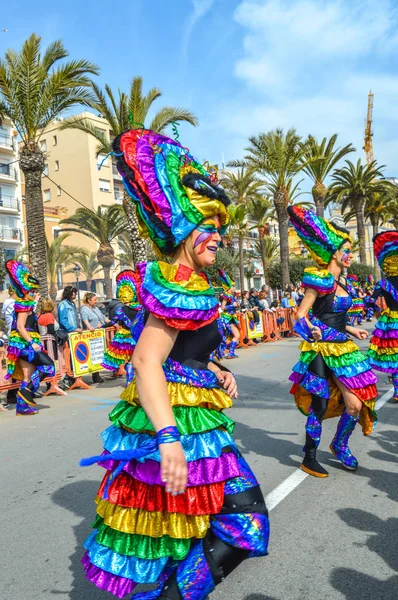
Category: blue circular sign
[81,352]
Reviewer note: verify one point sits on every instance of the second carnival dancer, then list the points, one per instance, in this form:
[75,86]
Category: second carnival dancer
[383,349]
[179,506]
[120,350]
[332,378]
[26,358]
[228,316]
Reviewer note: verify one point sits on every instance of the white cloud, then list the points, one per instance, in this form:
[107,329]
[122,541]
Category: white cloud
[310,65]
[200,8]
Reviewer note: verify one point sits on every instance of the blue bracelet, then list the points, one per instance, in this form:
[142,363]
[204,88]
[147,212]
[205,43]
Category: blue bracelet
[168,435]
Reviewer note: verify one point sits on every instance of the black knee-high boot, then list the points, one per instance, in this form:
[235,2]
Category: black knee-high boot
[313,437]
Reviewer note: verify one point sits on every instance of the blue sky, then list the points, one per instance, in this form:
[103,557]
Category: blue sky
[242,66]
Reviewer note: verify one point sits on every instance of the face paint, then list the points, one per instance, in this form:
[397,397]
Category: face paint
[208,227]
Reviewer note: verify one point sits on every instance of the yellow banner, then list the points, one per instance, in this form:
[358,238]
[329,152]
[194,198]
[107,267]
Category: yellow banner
[87,351]
[255,330]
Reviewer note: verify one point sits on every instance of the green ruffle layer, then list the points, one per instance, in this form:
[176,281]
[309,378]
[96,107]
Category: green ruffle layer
[383,357]
[344,360]
[142,546]
[189,419]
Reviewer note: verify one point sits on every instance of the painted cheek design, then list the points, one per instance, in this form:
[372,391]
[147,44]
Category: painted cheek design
[202,240]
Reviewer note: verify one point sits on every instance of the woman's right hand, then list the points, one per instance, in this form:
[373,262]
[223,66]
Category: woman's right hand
[316,333]
[36,347]
[174,469]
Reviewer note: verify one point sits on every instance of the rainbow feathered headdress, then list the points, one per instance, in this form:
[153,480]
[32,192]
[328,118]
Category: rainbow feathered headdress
[386,251]
[126,288]
[225,280]
[321,237]
[21,278]
[172,191]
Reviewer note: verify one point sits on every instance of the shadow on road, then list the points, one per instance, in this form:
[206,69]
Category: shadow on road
[357,586]
[258,597]
[78,498]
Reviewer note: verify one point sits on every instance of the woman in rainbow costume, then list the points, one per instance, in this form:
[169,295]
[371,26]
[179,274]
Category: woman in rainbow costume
[120,350]
[383,349]
[356,310]
[179,506]
[332,378]
[228,312]
[26,358]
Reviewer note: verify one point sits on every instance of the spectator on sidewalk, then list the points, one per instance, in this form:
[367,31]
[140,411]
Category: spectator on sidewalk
[48,325]
[262,301]
[93,318]
[253,298]
[288,301]
[8,314]
[68,319]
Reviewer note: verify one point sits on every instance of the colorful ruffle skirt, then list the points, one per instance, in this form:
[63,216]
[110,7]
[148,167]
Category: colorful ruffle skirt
[349,365]
[383,348]
[140,529]
[119,351]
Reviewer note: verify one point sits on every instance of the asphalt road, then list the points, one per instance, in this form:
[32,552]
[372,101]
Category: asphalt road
[331,539]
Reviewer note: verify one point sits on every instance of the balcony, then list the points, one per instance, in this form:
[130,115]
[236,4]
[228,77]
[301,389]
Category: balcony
[6,143]
[9,204]
[8,173]
[115,173]
[10,234]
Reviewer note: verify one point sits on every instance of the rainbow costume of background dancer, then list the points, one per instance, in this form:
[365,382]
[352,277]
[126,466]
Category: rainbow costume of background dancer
[383,349]
[188,543]
[357,308]
[20,348]
[334,356]
[229,320]
[120,350]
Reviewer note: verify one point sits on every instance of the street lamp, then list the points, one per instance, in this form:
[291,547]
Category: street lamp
[76,270]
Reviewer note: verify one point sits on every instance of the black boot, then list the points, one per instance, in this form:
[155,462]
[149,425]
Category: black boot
[310,464]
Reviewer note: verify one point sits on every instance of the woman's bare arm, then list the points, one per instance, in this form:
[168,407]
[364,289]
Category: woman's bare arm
[309,298]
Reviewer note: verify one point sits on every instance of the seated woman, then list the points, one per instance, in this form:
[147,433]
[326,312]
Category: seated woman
[93,318]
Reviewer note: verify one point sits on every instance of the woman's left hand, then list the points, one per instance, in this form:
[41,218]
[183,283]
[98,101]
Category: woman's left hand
[360,334]
[228,382]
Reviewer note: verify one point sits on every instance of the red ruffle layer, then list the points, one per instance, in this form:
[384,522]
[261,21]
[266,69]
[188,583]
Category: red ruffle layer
[365,394]
[197,501]
[384,343]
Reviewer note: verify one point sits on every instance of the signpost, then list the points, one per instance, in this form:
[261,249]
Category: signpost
[87,351]
[254,330]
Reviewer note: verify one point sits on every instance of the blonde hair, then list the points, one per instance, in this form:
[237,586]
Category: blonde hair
[88,296]
[46,305]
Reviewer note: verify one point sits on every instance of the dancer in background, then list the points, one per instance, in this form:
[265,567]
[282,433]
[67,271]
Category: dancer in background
[228,317]
[332,377]
[120,350]
[27,360]
[383,349]
[357,308]
[179,506]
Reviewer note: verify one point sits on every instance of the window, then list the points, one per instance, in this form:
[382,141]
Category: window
[43,146]
[45,170]
[59,191]
[117,193]
[104,185]
[57,165]
[55,141]
[47,195]
[100,158]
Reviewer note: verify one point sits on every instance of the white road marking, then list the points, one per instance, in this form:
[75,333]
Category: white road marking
[290,483]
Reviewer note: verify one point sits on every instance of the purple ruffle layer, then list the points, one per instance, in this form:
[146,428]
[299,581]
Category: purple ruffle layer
[386,335]
[118,586]
[359,381]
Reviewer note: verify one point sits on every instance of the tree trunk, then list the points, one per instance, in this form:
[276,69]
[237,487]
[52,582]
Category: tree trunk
[262,248]
[137,243]
[108,282]
[280,202]
[89,282]
[241,240]
[32,164]
[106,258]
[53,290]
[360,215]
[319,192]
[375,231]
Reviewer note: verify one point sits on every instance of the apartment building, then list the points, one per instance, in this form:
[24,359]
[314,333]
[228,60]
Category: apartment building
[11,228]
[72,178]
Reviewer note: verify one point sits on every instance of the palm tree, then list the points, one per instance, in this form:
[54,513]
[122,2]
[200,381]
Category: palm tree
[321,159]
[126,254]
[89,266]
[35,89]
[351,187]
[103,226]
[129,111]
[59,256]
[271,247]
[242,185]
[260,210]
[238,228]
[392,207]
[279,158]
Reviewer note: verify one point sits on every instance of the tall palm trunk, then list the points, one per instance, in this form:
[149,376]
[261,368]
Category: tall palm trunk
[319,194]
[241,240]
[375,231]
[137,243]
[53,290]
[261,233]
[106,257]
[360,216]
[280,202]
[89,282]
[32,164]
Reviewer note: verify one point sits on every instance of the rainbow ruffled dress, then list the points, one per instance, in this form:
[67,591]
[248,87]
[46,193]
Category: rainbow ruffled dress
[142,534]
[229,313]
[336,354]
[383,348]
[121,348]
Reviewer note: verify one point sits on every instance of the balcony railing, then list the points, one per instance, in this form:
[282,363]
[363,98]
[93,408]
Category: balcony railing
[6,140]
[9,202]
[8,171]
[10,233]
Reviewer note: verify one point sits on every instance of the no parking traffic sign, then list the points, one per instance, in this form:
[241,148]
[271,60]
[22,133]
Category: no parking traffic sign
[87,351]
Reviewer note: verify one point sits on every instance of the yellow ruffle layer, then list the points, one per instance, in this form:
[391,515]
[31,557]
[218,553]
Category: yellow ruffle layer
[390,313]
[329,348]
[152,524]
[181,394]
[383,350]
